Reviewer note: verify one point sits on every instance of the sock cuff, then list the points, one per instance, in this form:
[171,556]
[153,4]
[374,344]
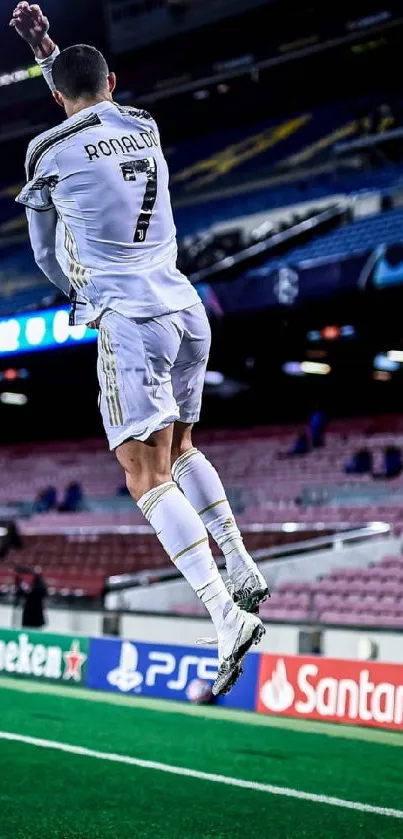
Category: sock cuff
[150,499]
[213,588]
[179,467]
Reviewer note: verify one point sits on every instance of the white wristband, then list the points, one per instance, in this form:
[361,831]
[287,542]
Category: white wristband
[46,65]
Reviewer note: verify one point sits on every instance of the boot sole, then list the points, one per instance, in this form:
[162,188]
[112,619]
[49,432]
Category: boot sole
[252,602]
[236,668]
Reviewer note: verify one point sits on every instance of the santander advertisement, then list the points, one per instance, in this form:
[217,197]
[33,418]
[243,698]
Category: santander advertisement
[361,693]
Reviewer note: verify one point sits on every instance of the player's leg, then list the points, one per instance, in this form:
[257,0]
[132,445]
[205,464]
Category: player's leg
[200,482]
[197,477]
[178,528]
[138,410]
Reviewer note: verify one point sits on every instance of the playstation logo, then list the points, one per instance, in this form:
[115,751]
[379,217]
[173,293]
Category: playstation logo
[126,677]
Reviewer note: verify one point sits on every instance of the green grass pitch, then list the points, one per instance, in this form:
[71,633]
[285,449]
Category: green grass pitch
[46,793]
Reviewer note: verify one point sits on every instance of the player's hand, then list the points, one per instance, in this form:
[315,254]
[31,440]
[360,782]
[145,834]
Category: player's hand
[30,23]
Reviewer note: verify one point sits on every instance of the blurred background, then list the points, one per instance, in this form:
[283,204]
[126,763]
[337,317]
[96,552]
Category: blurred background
[283,129]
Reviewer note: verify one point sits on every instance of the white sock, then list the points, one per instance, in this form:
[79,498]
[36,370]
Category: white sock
[200,482]
[184,537]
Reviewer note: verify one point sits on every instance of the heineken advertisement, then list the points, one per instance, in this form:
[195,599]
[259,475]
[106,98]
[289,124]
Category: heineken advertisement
[37,655]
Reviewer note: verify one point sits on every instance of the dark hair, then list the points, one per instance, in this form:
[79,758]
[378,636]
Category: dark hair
[80,71]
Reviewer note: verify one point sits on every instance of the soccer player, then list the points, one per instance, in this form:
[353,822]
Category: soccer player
[101,228]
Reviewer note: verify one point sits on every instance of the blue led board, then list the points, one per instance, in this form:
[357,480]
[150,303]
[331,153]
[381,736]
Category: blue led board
[41,330]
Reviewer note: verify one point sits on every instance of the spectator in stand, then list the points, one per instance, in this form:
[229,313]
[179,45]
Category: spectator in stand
[10,539]
[360,463]
[317,425]
[299,447]
[19,592]
[33,615]
[392,463]
[365,124]
[46,500]
[385,120]
[73,499]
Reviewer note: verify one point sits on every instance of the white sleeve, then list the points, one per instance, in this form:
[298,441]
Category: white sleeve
[36,196]
[37,193]
[42,233]
[46,65]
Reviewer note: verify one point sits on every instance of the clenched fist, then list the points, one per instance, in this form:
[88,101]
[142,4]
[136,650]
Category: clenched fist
[30,23]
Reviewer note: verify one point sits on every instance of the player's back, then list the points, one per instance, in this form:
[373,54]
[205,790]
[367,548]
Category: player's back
[104,171]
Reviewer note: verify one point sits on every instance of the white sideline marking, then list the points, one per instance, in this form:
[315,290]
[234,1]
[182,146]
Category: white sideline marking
[203,776]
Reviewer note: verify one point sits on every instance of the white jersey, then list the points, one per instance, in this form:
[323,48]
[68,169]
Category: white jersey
[104,175]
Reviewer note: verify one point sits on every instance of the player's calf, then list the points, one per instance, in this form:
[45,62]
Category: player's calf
[175,522]
[199,481]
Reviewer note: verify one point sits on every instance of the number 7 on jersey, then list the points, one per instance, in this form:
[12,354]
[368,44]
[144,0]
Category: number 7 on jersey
[130,170]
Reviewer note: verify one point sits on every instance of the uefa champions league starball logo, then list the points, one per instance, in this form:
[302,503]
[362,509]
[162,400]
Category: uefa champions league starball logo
[199,692]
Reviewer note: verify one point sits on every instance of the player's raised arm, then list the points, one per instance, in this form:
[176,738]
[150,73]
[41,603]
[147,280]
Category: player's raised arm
[33,27]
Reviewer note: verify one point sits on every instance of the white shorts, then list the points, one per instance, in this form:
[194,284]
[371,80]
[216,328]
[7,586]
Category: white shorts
[151,371]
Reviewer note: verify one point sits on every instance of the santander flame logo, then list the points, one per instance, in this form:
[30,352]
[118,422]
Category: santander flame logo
[278,693]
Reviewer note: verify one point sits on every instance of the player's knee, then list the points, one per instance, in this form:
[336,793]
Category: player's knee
[180,449]
[139,483]
[181,440]
[142,476]
[146,464]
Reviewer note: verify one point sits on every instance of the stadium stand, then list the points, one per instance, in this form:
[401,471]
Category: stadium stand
[372,596]
[357,237]
[194,217]
[362,597]
[280,500]
[77,566]
[273,485]
[258,150]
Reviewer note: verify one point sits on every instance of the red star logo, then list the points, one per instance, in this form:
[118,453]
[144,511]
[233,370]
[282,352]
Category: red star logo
[74,660]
